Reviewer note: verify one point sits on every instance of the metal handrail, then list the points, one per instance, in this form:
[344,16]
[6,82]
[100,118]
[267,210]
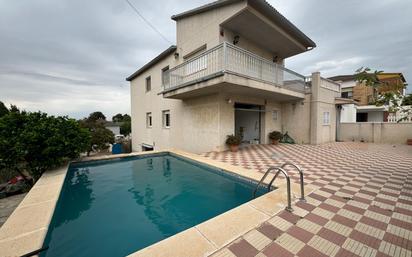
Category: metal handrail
[279,170]
[262,179]
[302,187]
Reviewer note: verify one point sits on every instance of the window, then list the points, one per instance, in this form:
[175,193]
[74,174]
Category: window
[165,76]
[149,119]
[166,119]
[348,94]
[326,118]
[148,84]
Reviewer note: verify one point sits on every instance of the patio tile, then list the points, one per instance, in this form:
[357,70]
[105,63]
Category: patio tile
[243,249]
[361,205]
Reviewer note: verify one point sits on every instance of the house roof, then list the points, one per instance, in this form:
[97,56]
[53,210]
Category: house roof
[381,76]
[158,58]
[343,78]
[262,6]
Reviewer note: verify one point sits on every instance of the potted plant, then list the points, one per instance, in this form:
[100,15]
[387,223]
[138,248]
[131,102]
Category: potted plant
[275,137]
[233,142]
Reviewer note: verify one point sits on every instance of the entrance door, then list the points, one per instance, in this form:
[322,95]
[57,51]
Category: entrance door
[248,122]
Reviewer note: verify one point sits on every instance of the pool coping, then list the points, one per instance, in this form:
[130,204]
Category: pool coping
[26,228]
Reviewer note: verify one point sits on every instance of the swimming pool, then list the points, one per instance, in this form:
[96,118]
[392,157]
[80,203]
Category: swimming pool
[117,207]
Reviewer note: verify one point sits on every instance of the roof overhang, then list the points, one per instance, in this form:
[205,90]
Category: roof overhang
[271,36]
[342,101]
[158,58]
[260,20]
[371,108]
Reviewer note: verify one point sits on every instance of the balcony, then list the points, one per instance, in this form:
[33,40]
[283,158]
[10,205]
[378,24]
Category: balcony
[229,68]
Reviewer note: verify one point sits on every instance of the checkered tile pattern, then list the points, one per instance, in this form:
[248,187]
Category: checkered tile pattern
[362,207]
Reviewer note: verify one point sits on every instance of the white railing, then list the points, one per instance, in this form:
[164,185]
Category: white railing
[403,115]
[227,58]
[330,85]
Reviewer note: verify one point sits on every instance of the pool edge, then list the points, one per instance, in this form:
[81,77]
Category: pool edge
[26,228]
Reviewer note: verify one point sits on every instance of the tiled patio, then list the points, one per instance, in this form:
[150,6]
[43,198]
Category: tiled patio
[362,207]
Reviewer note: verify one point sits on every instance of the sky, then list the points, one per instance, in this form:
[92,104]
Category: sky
[71,57]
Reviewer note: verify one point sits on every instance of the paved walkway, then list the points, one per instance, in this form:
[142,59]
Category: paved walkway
[362,207]
[7,206]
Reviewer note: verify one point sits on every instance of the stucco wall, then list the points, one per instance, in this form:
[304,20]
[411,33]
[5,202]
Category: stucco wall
[379,132]
[348,113]
[197,30]
[323,100]
[296,120]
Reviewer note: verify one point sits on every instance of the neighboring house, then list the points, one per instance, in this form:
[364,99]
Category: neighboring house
[363,109]
[364,95]
[226,75]
[113,127]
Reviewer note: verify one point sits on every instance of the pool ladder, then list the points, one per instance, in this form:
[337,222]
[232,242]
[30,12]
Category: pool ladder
[282,170]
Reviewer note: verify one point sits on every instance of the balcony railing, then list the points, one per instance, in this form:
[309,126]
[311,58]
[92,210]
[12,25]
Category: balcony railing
[227,58]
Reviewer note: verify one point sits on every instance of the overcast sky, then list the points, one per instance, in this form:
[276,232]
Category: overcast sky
[71,57]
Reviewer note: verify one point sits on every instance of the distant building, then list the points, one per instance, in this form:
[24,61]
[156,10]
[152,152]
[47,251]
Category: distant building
[113,127]
[364,109]
[364,95]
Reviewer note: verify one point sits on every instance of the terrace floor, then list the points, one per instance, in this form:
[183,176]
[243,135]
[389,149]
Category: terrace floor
[362,205]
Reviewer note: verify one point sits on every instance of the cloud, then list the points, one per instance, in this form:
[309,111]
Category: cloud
[72,56]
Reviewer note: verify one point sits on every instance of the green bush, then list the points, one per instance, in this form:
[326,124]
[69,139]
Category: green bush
[233,140]
[275,135]
[36,142]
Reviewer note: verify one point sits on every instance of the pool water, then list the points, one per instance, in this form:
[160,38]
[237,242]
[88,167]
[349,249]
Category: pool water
[114,208]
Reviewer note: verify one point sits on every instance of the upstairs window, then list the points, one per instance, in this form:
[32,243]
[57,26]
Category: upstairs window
[148,84]
[166,119]
[149,119]
[165,76]
[348,94]
[326,118]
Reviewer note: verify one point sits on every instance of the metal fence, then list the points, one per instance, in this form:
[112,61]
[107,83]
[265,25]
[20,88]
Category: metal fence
[232,59]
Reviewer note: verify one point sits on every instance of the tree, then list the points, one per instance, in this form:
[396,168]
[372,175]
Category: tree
[36,142]
[407,100]
[368,78]
[117,118]
[97,116]
[101,137]
[3,109]
[126,126]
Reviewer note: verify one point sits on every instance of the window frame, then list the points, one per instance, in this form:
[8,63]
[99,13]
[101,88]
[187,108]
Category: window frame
[326,118]
[164,78]
[149,120]
[148,84]
[166,113]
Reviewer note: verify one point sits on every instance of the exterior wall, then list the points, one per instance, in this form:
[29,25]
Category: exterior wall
[348,113]
[362,93]
[197,30]
[296,120]
[143,102]
[227,116]
[324,93]
[383,133]
[375,116]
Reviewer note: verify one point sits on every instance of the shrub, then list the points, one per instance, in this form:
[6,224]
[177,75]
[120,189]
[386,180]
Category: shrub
[275,135]
[233,140]
[101,137]
[36,142]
